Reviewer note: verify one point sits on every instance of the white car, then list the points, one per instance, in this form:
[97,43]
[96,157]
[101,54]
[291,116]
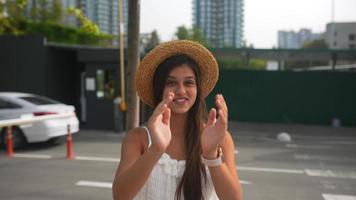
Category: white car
[14,105]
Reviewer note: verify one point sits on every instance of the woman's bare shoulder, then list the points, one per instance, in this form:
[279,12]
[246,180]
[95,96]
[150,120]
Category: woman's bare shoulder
[137,137]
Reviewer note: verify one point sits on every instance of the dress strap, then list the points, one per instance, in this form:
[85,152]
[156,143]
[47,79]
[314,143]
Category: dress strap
[148,135]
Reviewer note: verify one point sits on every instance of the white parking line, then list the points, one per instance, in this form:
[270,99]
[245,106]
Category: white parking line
[39,156]
[292,145]
[322,158]
[308,146]
[331,173]
[338,197]
[301,157]
[327,184]
[94,184]
[104,159]
[259,169]
[245,182]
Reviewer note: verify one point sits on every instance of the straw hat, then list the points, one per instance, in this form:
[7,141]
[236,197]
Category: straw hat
[203,57]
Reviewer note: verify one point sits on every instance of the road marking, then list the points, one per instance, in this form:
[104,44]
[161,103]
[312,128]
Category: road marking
[340,142]
[245,182]
[259,169]
[104,159]
[39,156]
[327,184]
[95,184]
[331,173]
[292,145]
[301,157]
[308,146]
[338,197]
[323,158]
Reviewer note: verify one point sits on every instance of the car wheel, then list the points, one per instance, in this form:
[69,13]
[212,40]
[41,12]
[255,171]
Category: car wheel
[18,138]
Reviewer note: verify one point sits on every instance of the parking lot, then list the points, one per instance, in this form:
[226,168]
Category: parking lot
[319,163]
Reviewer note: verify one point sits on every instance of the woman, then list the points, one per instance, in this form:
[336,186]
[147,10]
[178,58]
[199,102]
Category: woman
[180,154]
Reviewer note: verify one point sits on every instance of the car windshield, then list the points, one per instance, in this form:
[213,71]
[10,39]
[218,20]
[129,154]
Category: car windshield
[37,100]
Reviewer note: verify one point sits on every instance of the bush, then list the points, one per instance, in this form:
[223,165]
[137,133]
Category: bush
[63,34]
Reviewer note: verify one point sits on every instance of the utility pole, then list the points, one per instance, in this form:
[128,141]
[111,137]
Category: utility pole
[333,39]
[123,106]
[132,114]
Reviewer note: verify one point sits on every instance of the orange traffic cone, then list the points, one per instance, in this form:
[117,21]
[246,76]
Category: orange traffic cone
[9,142]
[70,153]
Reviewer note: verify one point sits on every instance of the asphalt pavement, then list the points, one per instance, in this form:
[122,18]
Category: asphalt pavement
[318,163]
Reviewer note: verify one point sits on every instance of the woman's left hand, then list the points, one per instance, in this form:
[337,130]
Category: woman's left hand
[215,129]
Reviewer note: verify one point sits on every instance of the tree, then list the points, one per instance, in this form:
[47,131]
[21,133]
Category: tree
[44,11]
[198,36]
[191,34]
[152,41]
[182,33]
[85,23]
[13,21]
[11,14]
[57,11]
[16,9]
[239,63]
[315,44]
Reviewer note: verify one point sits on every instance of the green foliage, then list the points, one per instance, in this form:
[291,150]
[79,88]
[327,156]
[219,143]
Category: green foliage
[315,44]
[11,12]
[45,11]
[152,41]
[231,63]
[197,35]
[182,33]
[85,23]
[44,20]
[57,11]
[258,64]
[63,34]
[194,34]
[255,64]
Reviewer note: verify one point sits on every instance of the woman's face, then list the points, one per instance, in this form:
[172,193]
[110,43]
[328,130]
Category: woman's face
[181,82]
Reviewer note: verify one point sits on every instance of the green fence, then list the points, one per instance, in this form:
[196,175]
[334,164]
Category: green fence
[289,97]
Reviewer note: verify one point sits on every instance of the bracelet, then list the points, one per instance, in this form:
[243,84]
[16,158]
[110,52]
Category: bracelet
[213,163]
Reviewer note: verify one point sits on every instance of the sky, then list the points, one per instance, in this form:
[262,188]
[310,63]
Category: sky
[263,18]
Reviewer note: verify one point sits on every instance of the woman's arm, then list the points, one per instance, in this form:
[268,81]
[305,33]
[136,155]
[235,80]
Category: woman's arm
[215,135]
[225,178]
[134,168]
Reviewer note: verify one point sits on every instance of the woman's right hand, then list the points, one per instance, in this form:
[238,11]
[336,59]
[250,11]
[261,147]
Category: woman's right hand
[159,125]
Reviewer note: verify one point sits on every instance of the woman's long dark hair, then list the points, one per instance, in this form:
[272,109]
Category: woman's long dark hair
[191,183]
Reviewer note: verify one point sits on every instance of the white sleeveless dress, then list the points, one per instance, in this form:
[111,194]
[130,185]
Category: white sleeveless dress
[164,179]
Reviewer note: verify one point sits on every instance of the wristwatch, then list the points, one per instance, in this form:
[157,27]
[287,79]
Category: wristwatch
[213,163]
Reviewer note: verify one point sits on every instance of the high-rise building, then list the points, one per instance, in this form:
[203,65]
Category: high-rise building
[104,13]
[341,35]
[220,21]
[294,40]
